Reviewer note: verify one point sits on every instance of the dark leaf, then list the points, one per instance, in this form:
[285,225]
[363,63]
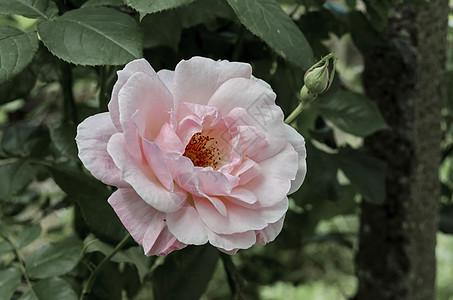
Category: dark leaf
[9,280]
[29,235]
[145,7]
[16,176]
[185,273]
[91,196]
[366,173]
[54,259]
[267,20]
[352,113]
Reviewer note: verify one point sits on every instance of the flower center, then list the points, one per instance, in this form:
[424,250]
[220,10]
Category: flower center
[203,151]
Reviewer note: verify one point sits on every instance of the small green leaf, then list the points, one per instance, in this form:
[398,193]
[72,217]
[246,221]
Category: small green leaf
[203,11]
[29,235]
[54,259]
[20,140]
[17,50]
[93,36]
[145,7]
[16,176]
[5,247]
[267,20]
[63,138]
[352,113]
[9,281]
[51,289]
[366,173]
[33,9]
[185,273]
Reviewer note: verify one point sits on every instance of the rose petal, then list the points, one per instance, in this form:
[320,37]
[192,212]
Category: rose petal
[259,103]
[228,242]
[298,143]
[186,225]
[142,179]
[275,179]
[269,233]
[92,137]
[138,65]
[196,79]
[142,221]
[148,95]
[239,218]
[167,78]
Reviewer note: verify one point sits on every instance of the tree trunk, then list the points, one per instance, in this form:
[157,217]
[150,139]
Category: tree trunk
[396,258]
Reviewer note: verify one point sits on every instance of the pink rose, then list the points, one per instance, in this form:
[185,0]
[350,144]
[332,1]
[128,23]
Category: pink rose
[199,154]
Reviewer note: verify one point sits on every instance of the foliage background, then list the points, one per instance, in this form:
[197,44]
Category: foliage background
[58,63]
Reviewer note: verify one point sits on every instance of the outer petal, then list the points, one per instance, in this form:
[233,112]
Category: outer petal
[148,95]
[275,179]
[196,79]
[260,111]
[298,143]
[239,218]
[142,221]
[142,179]
[186,225]
[138,65]
[92,137]
[165,243]
[167,78]
[229,242]
[269,233]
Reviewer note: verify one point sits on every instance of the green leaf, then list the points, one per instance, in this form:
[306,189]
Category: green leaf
[29,235]
[16,176]
[63,138]
[54,259]
[5,247]
[24,140]
[185,273]
[352,113]
[366,173]
[17,50]
[203,11]
[51,289]
[9,281]
[32,9]
[145,7]
[267,20]
[93,36]
[91,196]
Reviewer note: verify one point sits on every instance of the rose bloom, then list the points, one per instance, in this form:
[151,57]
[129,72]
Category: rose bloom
[200,154]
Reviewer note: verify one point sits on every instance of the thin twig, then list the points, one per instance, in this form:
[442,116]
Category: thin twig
[234,280]
[87,289]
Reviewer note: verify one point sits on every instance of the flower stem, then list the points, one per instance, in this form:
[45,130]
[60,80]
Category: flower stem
[87,289]
[294,114]
[239,43]
[234,279]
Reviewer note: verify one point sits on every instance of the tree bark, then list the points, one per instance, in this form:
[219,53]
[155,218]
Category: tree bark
[396,258]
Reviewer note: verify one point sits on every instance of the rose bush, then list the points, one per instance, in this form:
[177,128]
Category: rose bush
[200,154]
